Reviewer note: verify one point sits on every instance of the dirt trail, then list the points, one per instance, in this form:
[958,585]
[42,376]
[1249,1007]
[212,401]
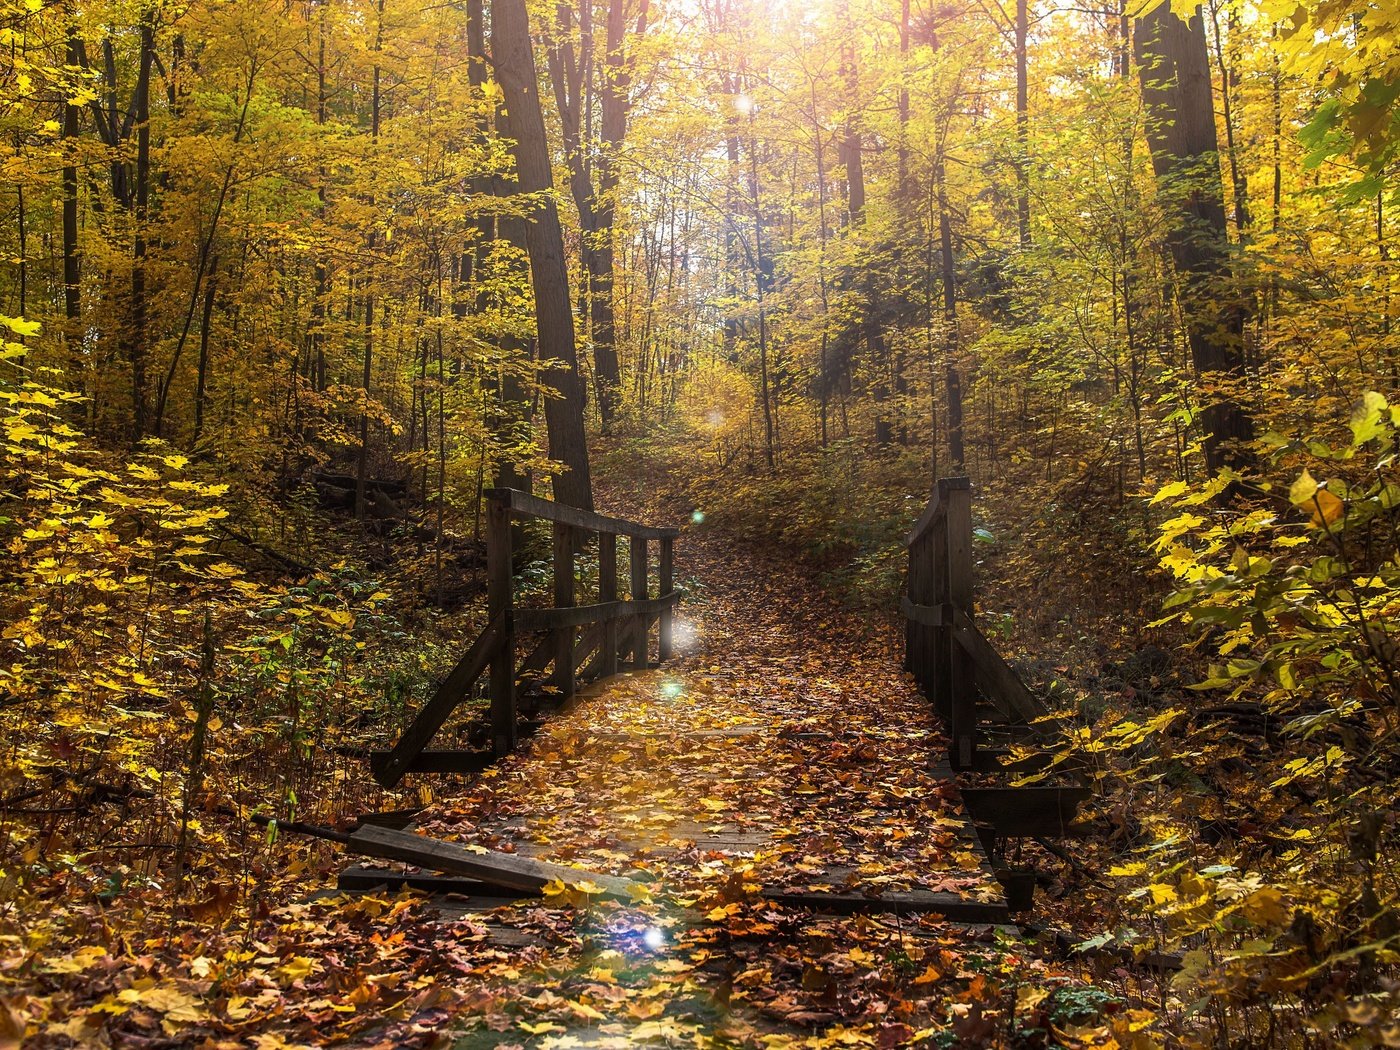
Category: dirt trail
[782,748]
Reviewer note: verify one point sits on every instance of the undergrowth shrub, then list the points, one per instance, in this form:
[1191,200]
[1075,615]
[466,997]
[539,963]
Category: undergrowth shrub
[154,693]
[1265,831]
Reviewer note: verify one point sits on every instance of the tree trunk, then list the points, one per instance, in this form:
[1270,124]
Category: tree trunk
[1176,89]
[877,352]
[601,272]
[1023,178]
[515,70]
[72,260]
[136,318]
[952,374]
[367,377]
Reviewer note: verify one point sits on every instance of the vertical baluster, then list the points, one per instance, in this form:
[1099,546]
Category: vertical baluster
[564,637]
[500,605]
[640,634]
[666,644]
[961,673]
[607,592]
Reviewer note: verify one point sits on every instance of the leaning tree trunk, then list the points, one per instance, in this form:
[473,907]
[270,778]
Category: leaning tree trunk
[1176,88]
[554,319]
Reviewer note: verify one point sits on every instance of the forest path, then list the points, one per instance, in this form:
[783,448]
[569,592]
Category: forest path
[782,756]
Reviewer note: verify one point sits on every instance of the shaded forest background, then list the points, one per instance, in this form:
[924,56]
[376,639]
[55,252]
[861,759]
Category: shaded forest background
[273,327]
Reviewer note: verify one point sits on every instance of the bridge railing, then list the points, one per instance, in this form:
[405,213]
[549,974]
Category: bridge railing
[571,643]
[943,648]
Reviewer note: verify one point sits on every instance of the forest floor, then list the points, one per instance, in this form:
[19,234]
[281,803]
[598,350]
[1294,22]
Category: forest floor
[783,748]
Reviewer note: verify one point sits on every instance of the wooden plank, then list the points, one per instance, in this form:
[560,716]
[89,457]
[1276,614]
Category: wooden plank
[936,508]
[563,635]
[524,504]
[541,656]
[390,769]
[588,640]
[667,584]
[528,620]
[640,632]
[390,818]
[952,906]
[1027,811]
[503,870]
[940,682]
[962,679]
[359,878]
[924,615]
[607,594]
[499,581]
[998,681]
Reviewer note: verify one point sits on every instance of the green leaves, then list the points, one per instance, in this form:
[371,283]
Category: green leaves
[1372,418]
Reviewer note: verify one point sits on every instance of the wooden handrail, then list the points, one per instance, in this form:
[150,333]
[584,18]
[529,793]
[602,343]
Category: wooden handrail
[581,615]
[523,504]
[614,628]
[943,648]
[937,507]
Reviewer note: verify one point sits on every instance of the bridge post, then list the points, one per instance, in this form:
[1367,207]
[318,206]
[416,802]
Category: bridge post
[666,644]
[499,603]
[564,637]
[961,674]
[940,683]
[607,592]
[640,633]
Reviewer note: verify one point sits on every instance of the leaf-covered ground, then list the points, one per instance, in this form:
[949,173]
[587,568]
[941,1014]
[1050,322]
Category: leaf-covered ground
[782,748]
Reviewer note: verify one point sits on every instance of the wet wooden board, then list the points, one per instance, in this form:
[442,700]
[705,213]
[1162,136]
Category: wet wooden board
[953,906]
[504,870]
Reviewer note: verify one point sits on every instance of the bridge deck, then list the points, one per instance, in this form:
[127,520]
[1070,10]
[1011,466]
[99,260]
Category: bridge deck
[782,737]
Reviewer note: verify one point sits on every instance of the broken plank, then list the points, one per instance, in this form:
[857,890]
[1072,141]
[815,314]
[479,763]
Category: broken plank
[503,870]
[392,818]
[361,878]
[951,906]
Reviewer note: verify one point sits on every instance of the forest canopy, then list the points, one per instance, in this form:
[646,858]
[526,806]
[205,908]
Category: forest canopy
[287,287]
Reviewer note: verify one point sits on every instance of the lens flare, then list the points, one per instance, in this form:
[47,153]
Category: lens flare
[654,939]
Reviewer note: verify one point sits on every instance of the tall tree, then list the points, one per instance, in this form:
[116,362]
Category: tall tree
[573,77]
[1176,88]
[514,62]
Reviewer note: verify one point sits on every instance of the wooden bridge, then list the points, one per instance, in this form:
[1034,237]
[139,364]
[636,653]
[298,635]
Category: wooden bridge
[572,643]
[980,700]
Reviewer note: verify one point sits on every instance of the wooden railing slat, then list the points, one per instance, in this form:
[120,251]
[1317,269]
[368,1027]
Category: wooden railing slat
[499,584]
[607,594]
[937,507]
[430,718]
[564,599]
[527,620]
[997,679]
[526,505]
[666,572]
[640,625]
